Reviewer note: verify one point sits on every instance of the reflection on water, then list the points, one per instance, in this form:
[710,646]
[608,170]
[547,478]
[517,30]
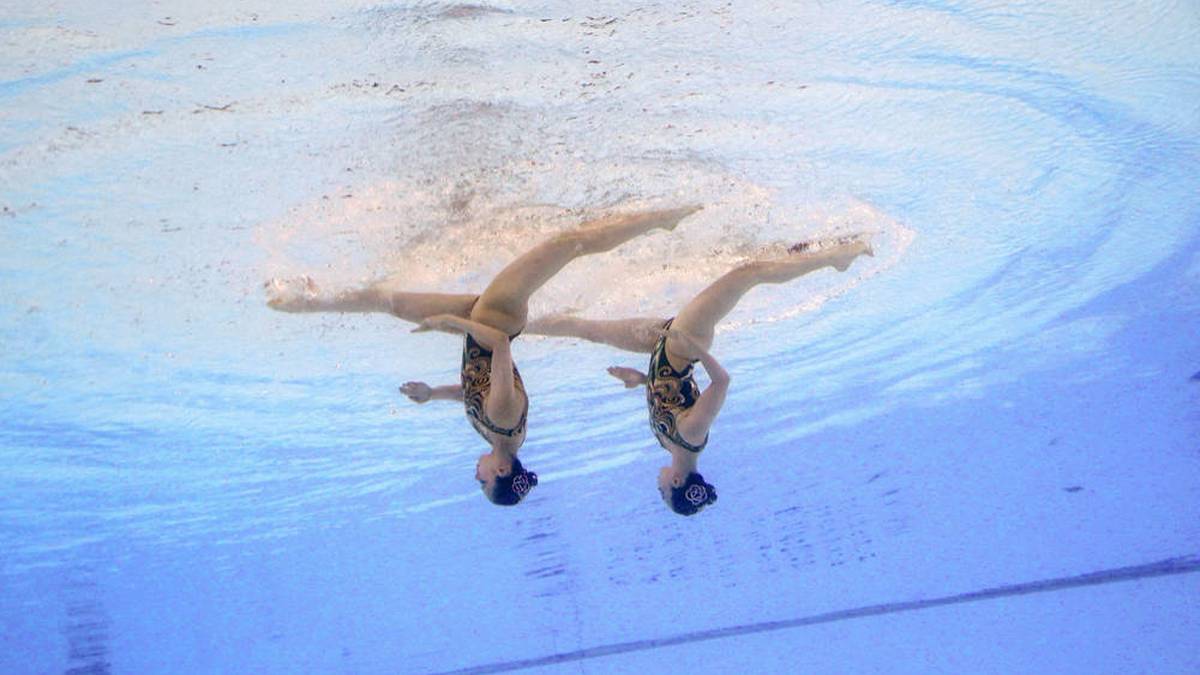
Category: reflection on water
[1001,396]
[86,626]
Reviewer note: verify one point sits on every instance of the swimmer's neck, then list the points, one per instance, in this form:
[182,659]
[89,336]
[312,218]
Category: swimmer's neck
[502,452]
[683,462]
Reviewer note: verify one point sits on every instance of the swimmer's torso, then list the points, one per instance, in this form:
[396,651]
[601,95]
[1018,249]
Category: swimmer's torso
[670,392]
[477,382]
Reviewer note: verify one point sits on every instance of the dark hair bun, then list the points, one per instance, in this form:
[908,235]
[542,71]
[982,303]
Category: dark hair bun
[523,482]
[511,489]
[695,494]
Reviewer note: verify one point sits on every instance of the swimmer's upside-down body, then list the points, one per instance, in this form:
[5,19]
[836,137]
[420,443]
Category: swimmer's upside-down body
[680,414]
[491,387]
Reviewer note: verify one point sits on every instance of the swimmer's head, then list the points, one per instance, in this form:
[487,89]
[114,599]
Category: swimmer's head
[505,482]
[686,495]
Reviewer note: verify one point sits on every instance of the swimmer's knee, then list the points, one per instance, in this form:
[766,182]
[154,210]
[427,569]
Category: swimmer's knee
[684,352]
[508,316]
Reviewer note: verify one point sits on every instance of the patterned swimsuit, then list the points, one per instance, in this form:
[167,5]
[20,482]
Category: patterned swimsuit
[668,393]
[477,382]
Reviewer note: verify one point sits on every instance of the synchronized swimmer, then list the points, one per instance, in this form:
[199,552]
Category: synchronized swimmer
[494,396]
[490,385]
[680,414]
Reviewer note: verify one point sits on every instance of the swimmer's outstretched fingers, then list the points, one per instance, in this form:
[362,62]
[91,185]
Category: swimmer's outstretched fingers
[632,377]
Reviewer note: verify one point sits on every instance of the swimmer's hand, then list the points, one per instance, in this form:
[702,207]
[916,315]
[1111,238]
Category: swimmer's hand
[447,323]
[692,349]
[631,377]
[486,335]
[418,392]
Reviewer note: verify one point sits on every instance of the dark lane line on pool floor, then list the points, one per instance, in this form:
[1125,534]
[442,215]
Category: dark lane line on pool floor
[1180,565]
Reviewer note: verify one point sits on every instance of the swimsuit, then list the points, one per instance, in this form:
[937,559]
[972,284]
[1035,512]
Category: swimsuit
[477,382]
[668,393]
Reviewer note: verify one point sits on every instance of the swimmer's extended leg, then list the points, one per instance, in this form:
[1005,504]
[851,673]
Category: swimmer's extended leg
[632,335]
[504,304]
[303,295]
[700,316]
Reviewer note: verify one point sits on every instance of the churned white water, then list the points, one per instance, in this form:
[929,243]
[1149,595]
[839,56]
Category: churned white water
[983,436]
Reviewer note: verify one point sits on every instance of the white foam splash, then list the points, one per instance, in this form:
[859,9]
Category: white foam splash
[453,234]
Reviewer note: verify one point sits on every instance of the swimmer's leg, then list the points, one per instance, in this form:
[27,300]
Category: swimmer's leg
[505,302]
[303,295]
[631,335]
[416,307]
[700,316]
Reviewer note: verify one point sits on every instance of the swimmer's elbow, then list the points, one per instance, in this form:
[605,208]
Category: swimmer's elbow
[720,377]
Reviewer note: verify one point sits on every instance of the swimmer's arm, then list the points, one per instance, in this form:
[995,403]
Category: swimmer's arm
[716,374]
[448,392]
[631,377]
[694,423]
[489,337]
[503,404]
[419,392]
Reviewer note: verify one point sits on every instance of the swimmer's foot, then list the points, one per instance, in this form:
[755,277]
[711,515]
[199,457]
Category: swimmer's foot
[847,249]
[839,252]
[297,294]
[670,218]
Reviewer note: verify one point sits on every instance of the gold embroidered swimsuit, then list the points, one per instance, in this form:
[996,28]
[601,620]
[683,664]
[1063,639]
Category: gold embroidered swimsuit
[668,393]
[477,382]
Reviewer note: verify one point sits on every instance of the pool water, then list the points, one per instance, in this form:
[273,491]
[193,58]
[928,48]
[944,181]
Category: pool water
[977,451]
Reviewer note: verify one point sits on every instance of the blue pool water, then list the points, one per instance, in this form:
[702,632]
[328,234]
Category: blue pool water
[978,451]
